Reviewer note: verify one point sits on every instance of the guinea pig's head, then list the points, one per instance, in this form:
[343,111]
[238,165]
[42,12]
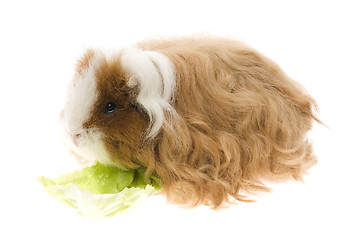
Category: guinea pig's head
[114,104]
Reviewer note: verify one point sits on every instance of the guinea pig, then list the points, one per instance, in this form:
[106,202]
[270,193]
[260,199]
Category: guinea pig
[211,117]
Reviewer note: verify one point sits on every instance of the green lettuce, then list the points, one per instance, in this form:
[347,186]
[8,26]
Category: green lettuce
[101,190]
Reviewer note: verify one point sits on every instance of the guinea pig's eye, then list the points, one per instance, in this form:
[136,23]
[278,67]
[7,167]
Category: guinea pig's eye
[110,107]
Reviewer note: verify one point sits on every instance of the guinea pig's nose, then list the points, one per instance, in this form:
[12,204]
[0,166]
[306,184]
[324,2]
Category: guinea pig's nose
[76,138]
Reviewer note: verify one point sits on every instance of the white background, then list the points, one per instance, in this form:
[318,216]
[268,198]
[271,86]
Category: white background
[315,42]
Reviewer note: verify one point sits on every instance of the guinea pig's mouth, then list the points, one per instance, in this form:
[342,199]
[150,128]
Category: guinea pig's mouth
[76,138]
[88,146]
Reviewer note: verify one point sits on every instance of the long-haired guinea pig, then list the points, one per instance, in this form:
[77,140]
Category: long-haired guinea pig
[211,117]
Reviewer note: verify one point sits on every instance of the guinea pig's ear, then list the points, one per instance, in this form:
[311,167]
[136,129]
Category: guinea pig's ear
[84,62]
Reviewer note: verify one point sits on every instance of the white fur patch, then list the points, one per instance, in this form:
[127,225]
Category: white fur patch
[90,147]
[81,96]
[153,72]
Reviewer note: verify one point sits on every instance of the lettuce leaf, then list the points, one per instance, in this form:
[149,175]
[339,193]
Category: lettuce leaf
[101,190]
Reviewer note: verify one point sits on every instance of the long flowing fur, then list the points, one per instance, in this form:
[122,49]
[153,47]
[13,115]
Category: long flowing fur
[212,117]
[241,121]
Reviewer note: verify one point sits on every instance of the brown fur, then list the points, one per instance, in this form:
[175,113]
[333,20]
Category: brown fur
[241,121]
[84,62]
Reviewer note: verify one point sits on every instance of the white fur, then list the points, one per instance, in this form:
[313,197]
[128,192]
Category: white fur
[153,73]
[81,96]
[90,147]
